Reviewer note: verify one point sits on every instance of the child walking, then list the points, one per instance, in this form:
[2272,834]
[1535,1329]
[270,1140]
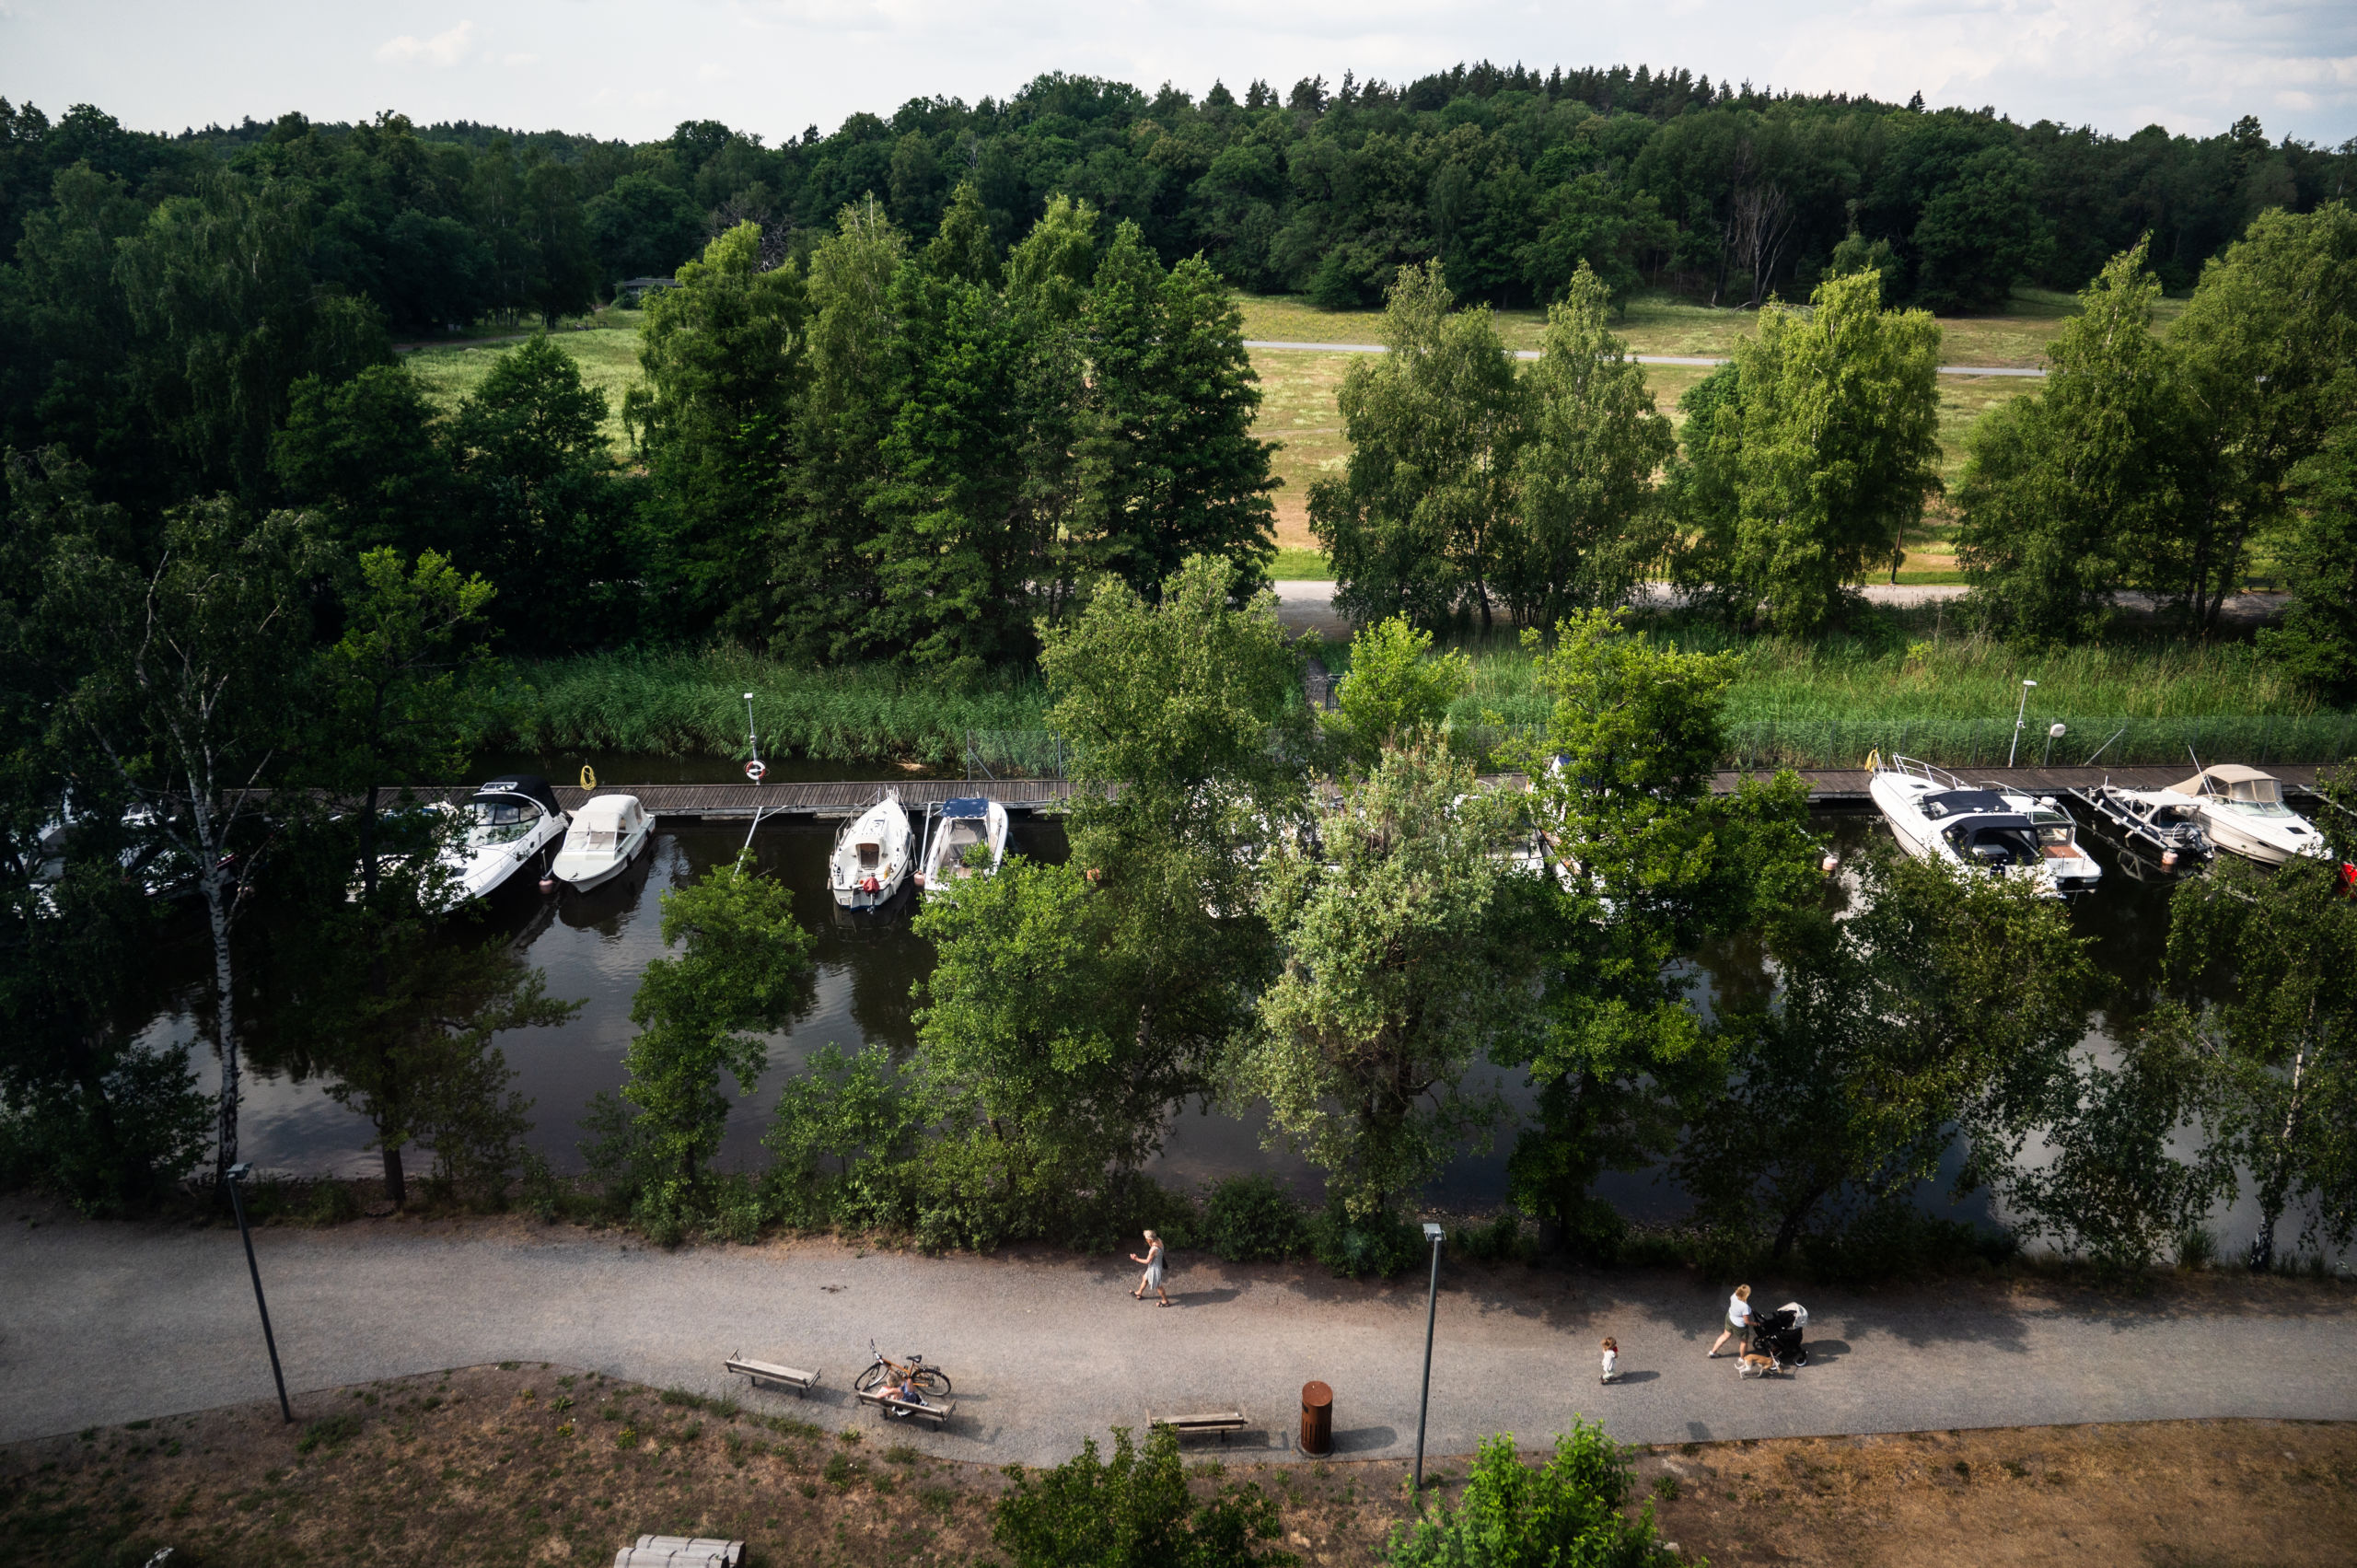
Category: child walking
[1611,1361]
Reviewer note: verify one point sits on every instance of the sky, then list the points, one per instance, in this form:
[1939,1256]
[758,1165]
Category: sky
[774,66]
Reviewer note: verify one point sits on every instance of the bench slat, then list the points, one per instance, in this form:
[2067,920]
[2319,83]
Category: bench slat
[1208,1418]
[771,1371]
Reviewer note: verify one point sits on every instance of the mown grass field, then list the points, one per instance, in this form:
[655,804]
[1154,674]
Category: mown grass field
[606,347]
[526,1464]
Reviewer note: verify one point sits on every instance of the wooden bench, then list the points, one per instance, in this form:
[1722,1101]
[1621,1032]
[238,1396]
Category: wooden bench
[680,1551]
[761,1372]
[1221,1422]
[937,1411]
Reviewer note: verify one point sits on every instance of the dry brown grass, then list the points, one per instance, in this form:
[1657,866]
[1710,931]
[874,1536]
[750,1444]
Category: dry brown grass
[534,1464]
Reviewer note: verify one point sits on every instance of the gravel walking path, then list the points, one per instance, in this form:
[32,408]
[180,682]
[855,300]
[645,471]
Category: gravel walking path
[101,1324]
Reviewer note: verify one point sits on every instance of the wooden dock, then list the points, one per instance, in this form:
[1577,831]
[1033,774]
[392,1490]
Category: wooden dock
[1827,786]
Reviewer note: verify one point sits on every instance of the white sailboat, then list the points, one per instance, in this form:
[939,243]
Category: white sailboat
[606,832]
[2243,810]
[967,839]
[1936,816]
[872,856]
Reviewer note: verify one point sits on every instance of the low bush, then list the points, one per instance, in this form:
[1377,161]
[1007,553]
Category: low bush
[1381,1244]
[1250,1219]
[1500,1240]
[1135,1509]
[1510,1515]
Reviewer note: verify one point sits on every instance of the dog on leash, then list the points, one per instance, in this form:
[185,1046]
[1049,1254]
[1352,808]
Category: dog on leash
[1751,1363]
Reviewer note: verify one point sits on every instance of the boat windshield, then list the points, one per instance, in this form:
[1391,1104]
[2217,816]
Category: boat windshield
[2256,807]
[1993,845]
[500,821]
[2054,833]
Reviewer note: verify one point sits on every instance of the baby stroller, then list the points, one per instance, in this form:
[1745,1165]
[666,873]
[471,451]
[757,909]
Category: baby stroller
[1776,1336]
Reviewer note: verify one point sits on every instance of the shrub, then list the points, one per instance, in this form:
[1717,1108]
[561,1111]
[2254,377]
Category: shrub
[1896,1241]
[331,1203]
[1135,1512]
[1511,1517]
[1495,1242]
[1250,1219]
[1381,1244]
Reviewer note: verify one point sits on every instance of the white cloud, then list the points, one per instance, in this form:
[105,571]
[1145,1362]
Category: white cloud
[442,49]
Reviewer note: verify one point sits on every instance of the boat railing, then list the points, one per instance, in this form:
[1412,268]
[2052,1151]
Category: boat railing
[1915,768]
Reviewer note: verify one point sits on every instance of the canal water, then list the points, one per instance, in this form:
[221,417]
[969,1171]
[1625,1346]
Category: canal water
[593,948]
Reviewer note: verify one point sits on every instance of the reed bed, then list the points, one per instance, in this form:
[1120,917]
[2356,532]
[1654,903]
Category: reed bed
[1952,700]
[694,704]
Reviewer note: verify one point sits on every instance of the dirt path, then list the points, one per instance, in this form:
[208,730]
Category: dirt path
[100,1324]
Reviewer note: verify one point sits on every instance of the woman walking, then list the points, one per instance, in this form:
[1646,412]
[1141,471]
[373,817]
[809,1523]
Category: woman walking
[1152,1278]
[1738,1322]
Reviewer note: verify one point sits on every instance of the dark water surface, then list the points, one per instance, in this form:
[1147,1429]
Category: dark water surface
[593,947]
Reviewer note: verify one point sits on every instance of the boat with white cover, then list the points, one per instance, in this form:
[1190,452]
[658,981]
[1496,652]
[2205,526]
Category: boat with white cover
[606,832]
[504,825]
[872,856]
[1936,816]
[968,838]
[2156,819]
[2242,810]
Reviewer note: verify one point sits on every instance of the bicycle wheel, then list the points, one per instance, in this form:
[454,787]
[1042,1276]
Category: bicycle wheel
[932,1380]
[869,1378]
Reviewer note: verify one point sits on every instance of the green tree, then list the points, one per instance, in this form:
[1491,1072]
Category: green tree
[1024,1050]
[2266,355]
[1415,525]
[1395,690]
[724,359]
[2061,484]
[1644,866]
[1592,524]
[744,966]
[364,454]
[86,1109]
[2317,554]
[1840,439]
[866,1114]
[950,551]
[229,319]
[2113,1186]
[1189,746]
[1135,1512]
[826,570]
[1944,1000]
[2258,963]
[1403,963]
[640,227]
[186,698]
[1170,467]
[1511,1517]
[550,521]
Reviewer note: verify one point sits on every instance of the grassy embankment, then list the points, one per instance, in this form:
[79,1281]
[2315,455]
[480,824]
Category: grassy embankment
[1950,700]
[531,1463]
[605,346]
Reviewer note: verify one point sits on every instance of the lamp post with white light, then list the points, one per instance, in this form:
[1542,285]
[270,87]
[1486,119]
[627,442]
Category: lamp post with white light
[1433,1234]
[2020,716]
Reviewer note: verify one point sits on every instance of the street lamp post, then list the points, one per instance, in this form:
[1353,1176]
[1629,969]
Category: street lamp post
[1433,1234]
[2020,714]
[237,1181]
[2054,732]
[751,740]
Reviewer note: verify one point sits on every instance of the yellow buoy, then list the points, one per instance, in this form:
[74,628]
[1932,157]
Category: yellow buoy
[588,776]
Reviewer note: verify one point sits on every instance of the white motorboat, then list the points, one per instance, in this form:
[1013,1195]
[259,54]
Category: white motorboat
[872,856]
[504,825]
[968,838]
[2159,820]
[606,832]
[2073,868]
[1936,816]
[2242,810]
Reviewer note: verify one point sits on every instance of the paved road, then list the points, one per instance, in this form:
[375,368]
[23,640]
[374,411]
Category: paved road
[1640,358]
[102,1324]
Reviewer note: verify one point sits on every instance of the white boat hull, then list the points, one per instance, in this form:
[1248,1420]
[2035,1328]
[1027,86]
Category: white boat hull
[860,881]
[583,869]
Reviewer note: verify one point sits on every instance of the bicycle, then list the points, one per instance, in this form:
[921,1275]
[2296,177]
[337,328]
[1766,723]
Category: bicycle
[913,1373]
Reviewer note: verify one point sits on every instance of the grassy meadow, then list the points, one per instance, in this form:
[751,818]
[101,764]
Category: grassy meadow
[605,346]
